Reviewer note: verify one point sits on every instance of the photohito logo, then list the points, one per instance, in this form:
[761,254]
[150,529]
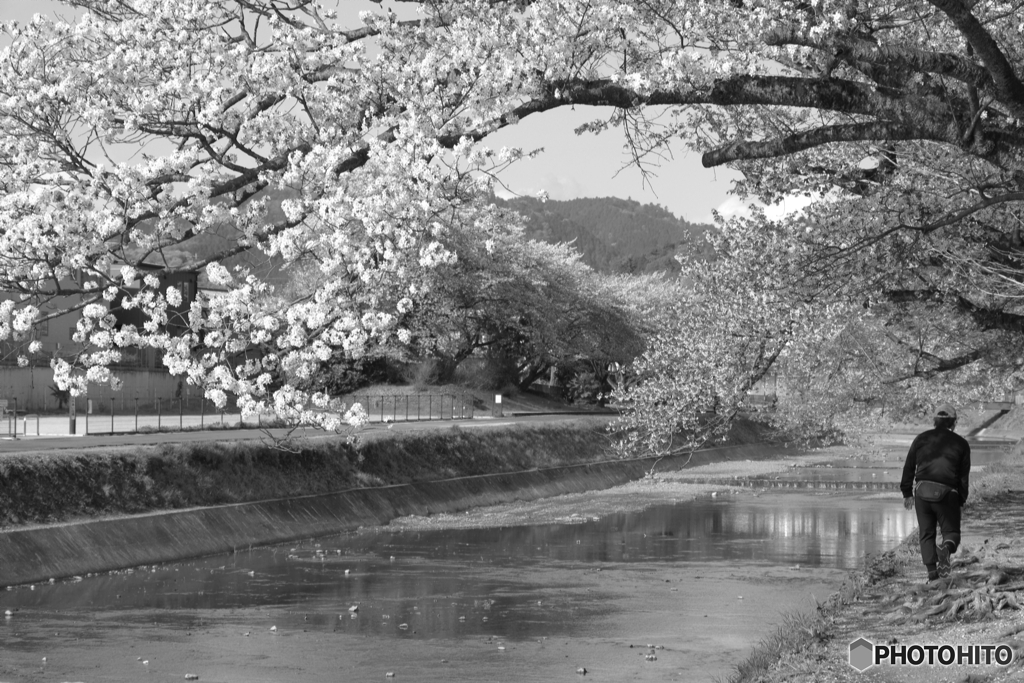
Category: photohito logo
[864,654]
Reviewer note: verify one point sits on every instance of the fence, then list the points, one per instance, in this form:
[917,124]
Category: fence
[107,416]
[103,417]
[415,407]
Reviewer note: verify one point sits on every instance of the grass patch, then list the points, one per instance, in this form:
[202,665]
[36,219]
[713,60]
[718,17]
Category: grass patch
[993,481]
[797,632]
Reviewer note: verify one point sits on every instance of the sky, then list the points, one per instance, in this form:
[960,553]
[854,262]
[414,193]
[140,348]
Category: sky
[571,166]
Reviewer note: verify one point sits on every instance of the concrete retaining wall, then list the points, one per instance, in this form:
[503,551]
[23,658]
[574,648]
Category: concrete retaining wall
[40,553]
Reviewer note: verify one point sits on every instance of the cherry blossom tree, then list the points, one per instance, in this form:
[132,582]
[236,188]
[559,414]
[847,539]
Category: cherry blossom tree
[520,305]
[751,323]
[145,123]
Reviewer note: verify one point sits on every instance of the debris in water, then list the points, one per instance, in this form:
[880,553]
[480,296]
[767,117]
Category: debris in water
[191,677]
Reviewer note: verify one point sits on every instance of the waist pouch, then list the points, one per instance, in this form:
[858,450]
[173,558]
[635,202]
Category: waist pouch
[931,491]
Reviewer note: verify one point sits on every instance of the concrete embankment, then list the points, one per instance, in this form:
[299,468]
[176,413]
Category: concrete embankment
[41,552]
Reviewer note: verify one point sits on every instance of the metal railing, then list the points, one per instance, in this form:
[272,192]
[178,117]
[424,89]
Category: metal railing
[109,416]
[414,407]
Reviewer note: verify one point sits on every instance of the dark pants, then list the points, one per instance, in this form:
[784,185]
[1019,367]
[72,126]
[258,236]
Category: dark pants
[945,513]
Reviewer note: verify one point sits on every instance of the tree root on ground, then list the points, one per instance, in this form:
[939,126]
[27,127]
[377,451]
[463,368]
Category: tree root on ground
[970,596]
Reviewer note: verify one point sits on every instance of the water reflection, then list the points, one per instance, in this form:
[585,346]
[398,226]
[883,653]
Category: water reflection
[438,571]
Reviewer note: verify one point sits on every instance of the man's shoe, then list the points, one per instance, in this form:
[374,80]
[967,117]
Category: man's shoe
[933,576]
[943,565]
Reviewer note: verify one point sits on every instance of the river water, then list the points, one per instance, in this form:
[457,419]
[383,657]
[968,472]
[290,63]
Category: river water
[700,580]
[524,592]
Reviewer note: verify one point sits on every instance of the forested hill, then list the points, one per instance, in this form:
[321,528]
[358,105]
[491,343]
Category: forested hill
[615,235]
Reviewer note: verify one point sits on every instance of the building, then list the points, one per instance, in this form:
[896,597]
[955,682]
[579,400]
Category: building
[142,370]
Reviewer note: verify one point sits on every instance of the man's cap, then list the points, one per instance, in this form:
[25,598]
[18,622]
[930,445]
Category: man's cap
[946,411]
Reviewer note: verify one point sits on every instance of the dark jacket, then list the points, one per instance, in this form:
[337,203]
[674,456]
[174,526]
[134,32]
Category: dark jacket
[938,455]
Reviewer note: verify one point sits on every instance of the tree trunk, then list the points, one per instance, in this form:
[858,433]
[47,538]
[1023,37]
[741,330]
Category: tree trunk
[531,376]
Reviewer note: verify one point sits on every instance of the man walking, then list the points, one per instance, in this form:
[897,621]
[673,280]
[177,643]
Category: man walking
[935,479]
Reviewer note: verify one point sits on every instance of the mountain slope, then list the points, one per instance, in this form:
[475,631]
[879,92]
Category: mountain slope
[615,235]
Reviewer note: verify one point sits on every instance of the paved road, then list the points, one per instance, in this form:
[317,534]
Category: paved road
[49,443]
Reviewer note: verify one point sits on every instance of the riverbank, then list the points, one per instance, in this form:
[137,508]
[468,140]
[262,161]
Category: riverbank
[890,602]
[47,487]
[816,652]
[736,558]
[71,514]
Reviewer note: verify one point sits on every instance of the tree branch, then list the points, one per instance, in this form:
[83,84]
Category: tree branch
[939,365]
[985,318]
[942,63]
[965,212]
[1005,81]
[776,147]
